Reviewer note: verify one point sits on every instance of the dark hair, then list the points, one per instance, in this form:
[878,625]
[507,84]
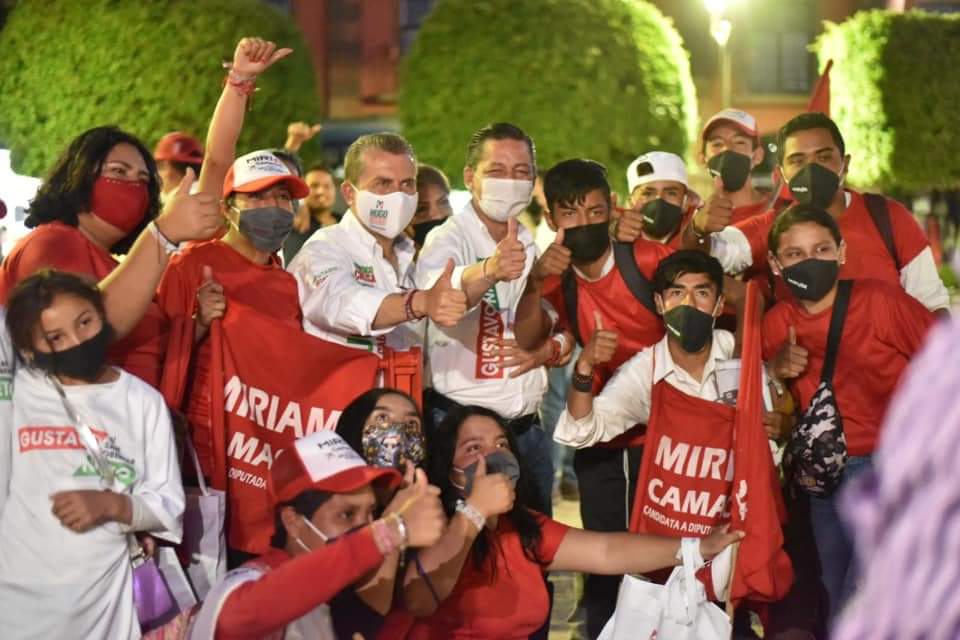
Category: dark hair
[350,424]
[805,122]
[68,187]
[497,131]
[319,166]
[795,215]
[35,294]
[705,138]
[289,157]
[390,142]
[442,451]
[183,166]
[571,180]
[428,174]
[306,504]
[683,262]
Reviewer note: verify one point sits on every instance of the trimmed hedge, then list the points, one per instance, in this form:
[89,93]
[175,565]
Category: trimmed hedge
[149,67]
[895,94]
[601,79]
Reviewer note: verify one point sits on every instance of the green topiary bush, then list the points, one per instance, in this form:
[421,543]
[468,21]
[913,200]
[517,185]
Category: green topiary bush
[894,94]
[149,67]
[601,79]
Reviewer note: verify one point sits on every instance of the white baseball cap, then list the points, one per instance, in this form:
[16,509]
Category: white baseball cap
[259,170]
[325,462]
[656,165]
[739,119]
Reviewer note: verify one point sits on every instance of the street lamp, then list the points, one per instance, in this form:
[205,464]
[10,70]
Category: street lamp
[720,28]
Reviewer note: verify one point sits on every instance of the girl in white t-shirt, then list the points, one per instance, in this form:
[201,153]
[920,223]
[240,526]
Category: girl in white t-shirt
[64,560]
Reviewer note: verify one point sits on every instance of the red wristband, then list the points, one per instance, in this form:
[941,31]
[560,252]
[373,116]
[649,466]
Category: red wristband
[408,306]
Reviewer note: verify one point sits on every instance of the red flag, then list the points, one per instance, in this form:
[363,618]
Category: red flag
[269,385]
[820,99]
[763,571]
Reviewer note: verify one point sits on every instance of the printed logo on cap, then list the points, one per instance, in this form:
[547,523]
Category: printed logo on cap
[325,454]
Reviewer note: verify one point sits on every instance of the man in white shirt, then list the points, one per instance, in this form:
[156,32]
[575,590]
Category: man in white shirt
[688,293]
[477,361]
[355,278]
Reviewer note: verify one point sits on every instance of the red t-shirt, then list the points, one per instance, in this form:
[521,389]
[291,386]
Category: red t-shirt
[60,246]
[740,214]
[266,287]
[884,327]
[867,255]
[510,606]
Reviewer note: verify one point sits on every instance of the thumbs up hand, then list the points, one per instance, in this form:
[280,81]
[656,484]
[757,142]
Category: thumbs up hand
[211,302]
[445,304]
[554,261]
[508,261]
[717,213]
[791,360]
[190,217]
[600,349]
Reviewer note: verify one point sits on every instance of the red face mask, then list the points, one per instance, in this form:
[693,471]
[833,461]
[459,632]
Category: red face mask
[120,202]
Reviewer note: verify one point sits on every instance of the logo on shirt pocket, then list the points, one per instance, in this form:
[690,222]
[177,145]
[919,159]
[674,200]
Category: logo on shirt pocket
[364,274]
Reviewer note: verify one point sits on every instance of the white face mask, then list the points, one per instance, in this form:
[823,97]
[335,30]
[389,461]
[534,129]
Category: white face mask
[504,198]
[386,215]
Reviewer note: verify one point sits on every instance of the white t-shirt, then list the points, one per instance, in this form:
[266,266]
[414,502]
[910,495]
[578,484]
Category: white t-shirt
[7,363]
[55,583]
[459,357]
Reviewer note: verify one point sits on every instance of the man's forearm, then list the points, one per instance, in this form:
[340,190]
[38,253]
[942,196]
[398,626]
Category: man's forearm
[532,324]
[475,283]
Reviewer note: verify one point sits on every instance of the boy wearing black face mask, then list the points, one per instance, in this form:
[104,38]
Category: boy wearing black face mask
[730,149]
[882,329]
[886,243]
[661,201]
[579,271]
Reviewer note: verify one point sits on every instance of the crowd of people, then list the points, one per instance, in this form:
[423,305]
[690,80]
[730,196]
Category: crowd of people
[425,512]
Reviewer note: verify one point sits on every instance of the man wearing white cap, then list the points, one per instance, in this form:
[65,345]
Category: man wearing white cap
[356,277]
[661,201]
[730,149]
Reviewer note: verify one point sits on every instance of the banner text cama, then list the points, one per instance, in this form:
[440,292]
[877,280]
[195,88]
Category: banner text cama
[269,386]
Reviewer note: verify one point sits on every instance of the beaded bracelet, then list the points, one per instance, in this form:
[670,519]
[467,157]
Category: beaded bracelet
[408,306]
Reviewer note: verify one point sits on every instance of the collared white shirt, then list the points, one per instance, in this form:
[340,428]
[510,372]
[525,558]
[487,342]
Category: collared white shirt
[919,277]
[459,357]
[625,400]
[342,278]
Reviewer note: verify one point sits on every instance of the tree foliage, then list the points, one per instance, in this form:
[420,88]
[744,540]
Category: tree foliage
[894,95]
[148,67]
[602,79]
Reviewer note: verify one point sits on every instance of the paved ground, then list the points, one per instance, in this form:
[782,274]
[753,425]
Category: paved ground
[568,512]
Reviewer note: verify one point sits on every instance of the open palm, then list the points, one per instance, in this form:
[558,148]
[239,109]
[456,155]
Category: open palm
[253,56]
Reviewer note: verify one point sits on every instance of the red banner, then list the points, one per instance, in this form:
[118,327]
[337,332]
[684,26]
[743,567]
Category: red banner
[269,386]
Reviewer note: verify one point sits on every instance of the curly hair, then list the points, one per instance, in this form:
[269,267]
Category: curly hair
[68,187]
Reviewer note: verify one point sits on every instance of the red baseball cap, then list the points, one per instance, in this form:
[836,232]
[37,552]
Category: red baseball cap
[179,147]
[740,120]
[261,170]
[325,462]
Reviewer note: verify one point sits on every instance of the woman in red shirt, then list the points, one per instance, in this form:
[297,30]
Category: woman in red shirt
[100,194]
[485,577]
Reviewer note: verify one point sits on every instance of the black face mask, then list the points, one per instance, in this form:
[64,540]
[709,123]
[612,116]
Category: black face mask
[733,169]
[587,242]
[811,279]
[692,327]
[421,229]
[661,218]
[82,362]
[266,227]
[501,461]
[816,185]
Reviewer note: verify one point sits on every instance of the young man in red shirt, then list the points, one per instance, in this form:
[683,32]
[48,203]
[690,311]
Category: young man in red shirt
[814,162]
[580,278]
[730,149]
[882,330]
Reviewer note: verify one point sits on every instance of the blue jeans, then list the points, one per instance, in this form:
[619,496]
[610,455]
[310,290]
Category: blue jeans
[554,402]
[838,567]
[535,454]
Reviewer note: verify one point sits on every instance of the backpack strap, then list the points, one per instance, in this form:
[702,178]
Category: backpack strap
[636,282]
[837,317]
[568,284]
[877,206]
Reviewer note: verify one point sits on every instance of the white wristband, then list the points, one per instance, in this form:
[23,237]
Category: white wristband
[168,246]
[561,338]
[471,514]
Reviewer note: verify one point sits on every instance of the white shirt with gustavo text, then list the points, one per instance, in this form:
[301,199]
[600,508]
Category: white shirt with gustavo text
[342,278]
[54,582]
[462,360]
